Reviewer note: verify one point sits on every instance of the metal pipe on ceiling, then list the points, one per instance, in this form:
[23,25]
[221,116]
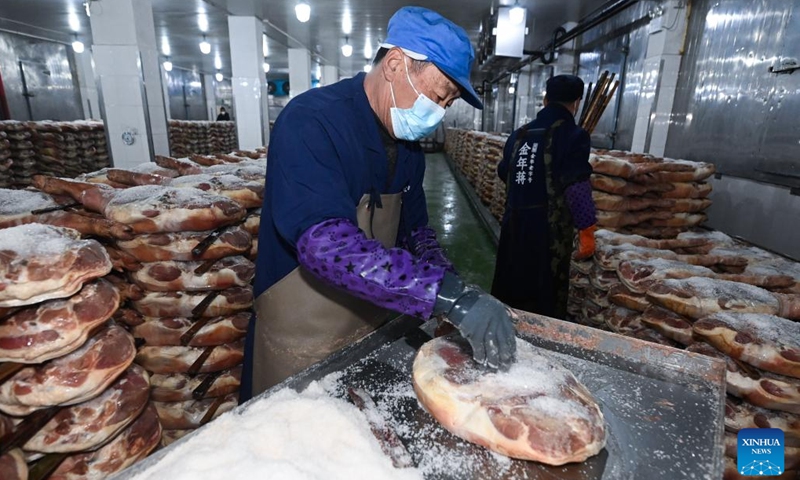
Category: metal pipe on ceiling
[607,11]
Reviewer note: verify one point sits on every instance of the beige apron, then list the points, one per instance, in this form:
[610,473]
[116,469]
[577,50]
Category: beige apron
[300,320]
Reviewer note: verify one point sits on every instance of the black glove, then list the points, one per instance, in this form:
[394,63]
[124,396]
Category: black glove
[482,319]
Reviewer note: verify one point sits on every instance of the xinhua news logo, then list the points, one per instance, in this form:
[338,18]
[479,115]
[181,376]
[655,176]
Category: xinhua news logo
[760,452]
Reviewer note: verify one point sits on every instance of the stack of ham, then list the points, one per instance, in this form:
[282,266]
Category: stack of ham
[712,295]
[187,137]
[23,156]
[646,195]
[5,160]
[187,273]
[476,155]
[71,400]
[65,149]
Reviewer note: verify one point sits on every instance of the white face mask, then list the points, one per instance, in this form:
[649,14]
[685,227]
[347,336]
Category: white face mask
[418,121]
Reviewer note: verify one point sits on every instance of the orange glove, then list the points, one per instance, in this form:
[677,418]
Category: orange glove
[586,244]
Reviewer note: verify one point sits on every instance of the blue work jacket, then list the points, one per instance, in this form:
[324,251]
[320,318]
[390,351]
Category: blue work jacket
[325,154]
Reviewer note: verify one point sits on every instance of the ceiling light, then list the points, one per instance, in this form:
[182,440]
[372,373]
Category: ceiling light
[167,65]
[347,24]
[264,46]
[266,67]
[347,49]
[202,22]
[218,76]
[511,89]
[217,62]
[368,68]
[205,47]
[516,14]
[368,48]
[303,12]
[165,48]
[195,84]
[77,46]
[74,22]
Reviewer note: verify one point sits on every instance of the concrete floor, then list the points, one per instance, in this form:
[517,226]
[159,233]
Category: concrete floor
[459,229]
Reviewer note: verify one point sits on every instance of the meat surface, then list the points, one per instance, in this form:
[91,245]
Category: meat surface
[687,190]
[181,331]
[179,387]
[158,247]
[740,414]
[19,207]
[699,297]
[13,466]
[171,276]
[150,208]
[624,219]
[185,359]
[699,172]
[623,320]
[678,220]
[609,257]
[168,437]
[253,221]
[184,166]
[73,378]
[42,262]
[669,324]
[535,411]
[763,389]
[620,186]
[56,327]
[131,445]
[768,342]
[640,275]
[621,296]
[607,237]
[194,413]
[623,168]
[180,304]
[86,425]
[617,203]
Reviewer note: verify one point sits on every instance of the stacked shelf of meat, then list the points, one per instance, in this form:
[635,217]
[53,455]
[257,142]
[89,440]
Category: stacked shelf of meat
[187,275]
[73,405]
[476,155]
[714,295]
[188,137]
[651,196]
[64,149]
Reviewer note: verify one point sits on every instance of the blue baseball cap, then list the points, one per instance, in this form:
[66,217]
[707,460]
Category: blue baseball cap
[423,34]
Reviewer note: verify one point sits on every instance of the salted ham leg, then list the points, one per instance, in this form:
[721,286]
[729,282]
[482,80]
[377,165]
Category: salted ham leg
[194,413]
[624,219]
[607,237]
[669,324]
[42,262]
[178,387]
[617,203]
[70,379]
[181,304]
[13,466]
[131,445]
[157,247]
[175,331]
[740,414]
[623,320]
[56,327]
[620,186]
[621,296]
[687,190]
[699,297]
[763,389]
[535,411]
[171,276]
[183,166]
[89,424]
[182,359]
[768,342]
[150,208]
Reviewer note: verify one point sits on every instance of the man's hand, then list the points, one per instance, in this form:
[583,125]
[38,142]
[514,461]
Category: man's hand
[480,318]
[586,244]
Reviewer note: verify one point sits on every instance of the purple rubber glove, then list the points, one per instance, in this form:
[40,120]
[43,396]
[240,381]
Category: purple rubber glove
[581,204]
[337,252]
[424,245]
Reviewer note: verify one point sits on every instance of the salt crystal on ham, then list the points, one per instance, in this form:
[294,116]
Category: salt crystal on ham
[16,202]
[768,328]
[289,435]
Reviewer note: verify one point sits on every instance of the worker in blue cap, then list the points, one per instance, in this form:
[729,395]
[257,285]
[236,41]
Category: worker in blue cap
[344,242]
[546,170]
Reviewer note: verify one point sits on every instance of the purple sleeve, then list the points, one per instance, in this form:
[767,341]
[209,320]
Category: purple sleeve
[581,204]
[424,245]
[337,252]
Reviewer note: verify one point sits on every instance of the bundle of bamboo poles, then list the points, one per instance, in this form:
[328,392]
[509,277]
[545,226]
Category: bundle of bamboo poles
[597,99]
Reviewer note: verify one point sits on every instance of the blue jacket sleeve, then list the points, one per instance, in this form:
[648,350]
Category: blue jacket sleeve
[415,206]
[306,176]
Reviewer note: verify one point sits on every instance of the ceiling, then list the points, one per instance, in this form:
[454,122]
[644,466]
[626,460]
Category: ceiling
[176,23]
